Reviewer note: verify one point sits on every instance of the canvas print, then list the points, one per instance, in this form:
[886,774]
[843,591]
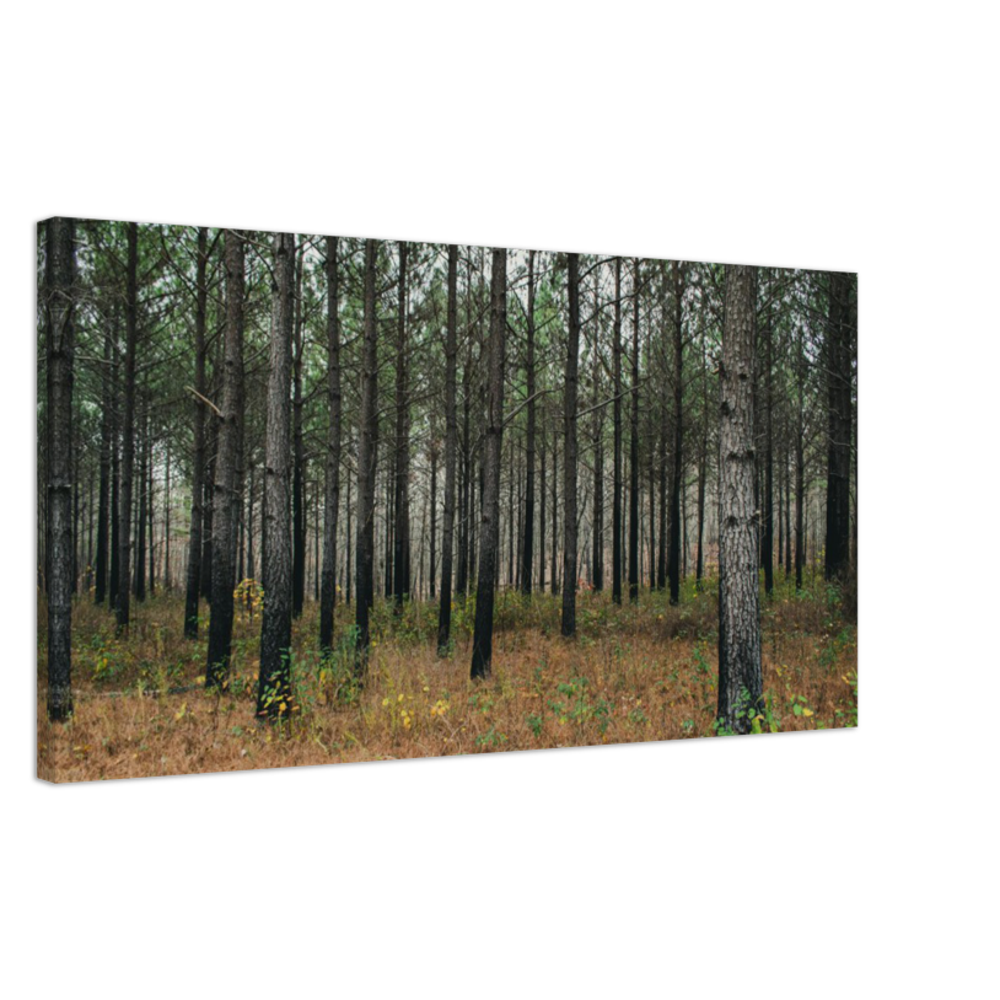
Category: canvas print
[307,499]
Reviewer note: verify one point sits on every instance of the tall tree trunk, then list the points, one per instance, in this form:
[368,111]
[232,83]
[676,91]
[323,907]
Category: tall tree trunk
[450,448]
[139,577]
[570,449]
[328,588]
[838,385]
[226,491]
[482,640]
[198,467]
[767,540]
[633,497]
[740,676]
[616,498]
[677,467]
[401,500]
[528,540]
[541,518]
[800,463]
[434,455]
[299,473]
[367,459]
[107,439]
[128,430]
[60,349]
[274,686]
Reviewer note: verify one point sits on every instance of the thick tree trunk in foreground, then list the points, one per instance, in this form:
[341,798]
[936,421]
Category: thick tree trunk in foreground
[570,449]
[450,455]
[225,498]
[60,347]
[274,686]
[328,583]
[489,536]
[367,455]
[740,678]
[128,431]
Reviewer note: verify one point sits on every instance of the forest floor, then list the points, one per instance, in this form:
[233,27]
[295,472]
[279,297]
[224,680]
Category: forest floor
[634,673]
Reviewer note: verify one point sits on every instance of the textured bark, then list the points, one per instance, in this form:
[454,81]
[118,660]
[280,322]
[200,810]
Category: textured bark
[838,374]
[528,537]
[541,518]
[677,464]
[800,462]
[450,455]
[60,349]
[104,487]
[740,678]
[489,536]
[597,519]
[367,458]
[633,497]
[298,446]
[401,499]
[570,449]
[198,466]
[767,535]
[226,493]
[616,498]
[328,583]
[139,576]
[274,687]
[128,430]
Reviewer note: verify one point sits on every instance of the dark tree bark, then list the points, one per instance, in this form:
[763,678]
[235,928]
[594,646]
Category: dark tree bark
[800,462]
[541,518]
[299,467]
[767,535]
[227,486]
[554,570]
[489,544]
[104,488]
[450,449]
[128,430]
[616,499]
[60,350]
[633,497]
[677,465]
[434,456]
[198,466]
[274,686]
[838,387]
[367,458]
[528,538]
[740,675]
[113,572]
[328,588]
[570,449]
[597,554]
[401,499]
[139,577]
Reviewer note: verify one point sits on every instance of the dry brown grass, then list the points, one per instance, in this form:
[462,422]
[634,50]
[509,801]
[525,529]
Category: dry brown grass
[632,674]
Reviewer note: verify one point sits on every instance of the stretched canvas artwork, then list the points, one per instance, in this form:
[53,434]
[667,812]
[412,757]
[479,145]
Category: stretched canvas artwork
[308,499]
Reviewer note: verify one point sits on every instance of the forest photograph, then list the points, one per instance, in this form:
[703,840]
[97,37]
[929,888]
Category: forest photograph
[308,499]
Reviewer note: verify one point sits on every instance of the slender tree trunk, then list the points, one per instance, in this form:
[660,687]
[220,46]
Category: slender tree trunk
[541,519]
[128,430]
[328,588]
[434,455]
[299,469]
[677,467]
[570,450]
[616,499]
[60,349]
[401,500]
[740,676]
[767,540]
[450,448]
[633,498]
[800,488]
[528,539]
[482,640]
[139,577]
[367,459]
[225,498]
[838,373]
[198,467]
[274,686]
[107,439]
[554,573]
